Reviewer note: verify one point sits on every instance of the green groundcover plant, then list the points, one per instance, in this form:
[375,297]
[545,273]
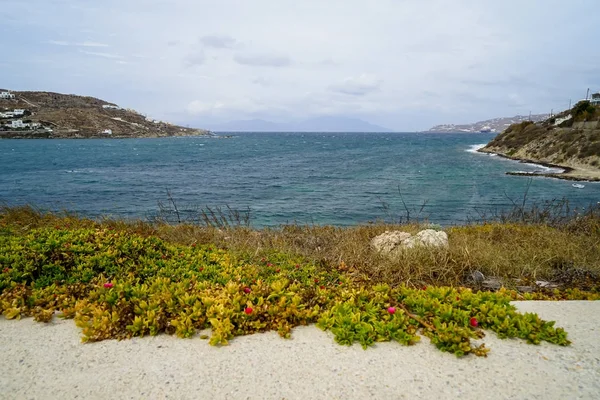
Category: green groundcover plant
[117,285]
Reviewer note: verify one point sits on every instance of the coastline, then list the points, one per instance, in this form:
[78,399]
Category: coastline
[569,173]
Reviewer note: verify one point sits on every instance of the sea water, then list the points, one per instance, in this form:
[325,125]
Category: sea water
[306,178]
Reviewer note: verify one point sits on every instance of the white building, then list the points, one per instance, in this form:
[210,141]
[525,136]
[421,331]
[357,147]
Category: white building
[107,131]
[111,107]
[6,95]
[17,123]
[18,111]
[595,99]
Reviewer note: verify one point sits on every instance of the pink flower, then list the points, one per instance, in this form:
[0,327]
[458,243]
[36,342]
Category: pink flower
[247,290]
[473,322]
[269,265]
[391,310]
[248,310]
[108,285]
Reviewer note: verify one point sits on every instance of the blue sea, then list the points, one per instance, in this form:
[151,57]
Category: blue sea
[306,178]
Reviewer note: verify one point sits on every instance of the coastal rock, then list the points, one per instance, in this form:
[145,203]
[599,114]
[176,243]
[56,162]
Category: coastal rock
[428,238]
[388,241]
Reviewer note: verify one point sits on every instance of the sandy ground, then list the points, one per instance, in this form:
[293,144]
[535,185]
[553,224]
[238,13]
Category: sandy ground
[48,362]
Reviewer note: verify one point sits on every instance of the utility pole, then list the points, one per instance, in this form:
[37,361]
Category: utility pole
[587,94]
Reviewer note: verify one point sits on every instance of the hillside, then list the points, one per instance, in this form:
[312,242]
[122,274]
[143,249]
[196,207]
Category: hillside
[570,140]
[55,115]
[489,125]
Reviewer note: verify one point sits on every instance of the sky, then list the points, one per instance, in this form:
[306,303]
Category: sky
[403,64]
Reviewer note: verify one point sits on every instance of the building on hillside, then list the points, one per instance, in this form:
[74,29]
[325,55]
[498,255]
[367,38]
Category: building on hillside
[107,131]
[6,95]
[110,106]
[595,99]
[17,123]
[18,111]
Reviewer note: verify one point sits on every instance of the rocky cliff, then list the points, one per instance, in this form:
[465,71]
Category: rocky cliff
[570,139]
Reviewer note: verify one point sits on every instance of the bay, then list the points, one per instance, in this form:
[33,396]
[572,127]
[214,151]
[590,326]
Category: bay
[307,178]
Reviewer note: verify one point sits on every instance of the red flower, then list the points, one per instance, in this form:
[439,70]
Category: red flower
[340,283]
[316,281]
[164,257]
[458,299]
[322,287]
[193,244]
[269,265]
[201,269]
[248,310]
[391,310]
[278,270]
[473,322]
[263,259]
[108,285]
[424,287]
[6,270]
[297,266]
[247,290]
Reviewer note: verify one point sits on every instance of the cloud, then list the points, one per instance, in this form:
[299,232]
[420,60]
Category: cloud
[262,60]
[259,80]
[358,86]
[99,54]
[218,41]
[92,44]
[83,44]
[198,107]
[232,58]
[59,43]
[197,58]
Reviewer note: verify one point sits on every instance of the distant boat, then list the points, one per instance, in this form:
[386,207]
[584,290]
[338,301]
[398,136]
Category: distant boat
[485,129]
[578,185]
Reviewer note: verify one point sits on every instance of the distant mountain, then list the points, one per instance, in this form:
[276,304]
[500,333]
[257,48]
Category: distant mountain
[318,124]
[490,125]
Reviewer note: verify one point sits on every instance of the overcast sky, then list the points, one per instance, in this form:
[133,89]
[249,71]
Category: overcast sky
[402,64]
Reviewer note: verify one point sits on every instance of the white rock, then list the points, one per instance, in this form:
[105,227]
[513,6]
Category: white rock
[428,238]
[388,241]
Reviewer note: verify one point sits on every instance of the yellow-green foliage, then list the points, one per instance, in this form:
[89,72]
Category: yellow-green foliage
[118,285]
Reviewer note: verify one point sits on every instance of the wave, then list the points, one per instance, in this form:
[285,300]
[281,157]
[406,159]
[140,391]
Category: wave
[475,147]
[546,170]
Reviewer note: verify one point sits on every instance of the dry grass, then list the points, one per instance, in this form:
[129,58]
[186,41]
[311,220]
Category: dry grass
[506,250]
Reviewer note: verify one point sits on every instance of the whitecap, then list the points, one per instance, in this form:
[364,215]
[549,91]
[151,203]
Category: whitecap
[475,147]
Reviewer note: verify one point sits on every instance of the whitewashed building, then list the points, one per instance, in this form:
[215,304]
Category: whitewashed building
[107,131]
[17,123]
[109,106]
[595,99]
[18,111]
[6,95]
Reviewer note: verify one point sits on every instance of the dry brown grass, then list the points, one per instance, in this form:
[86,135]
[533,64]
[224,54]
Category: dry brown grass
[505,250]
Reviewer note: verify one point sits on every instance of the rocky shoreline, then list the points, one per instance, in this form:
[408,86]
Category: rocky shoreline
[569,173]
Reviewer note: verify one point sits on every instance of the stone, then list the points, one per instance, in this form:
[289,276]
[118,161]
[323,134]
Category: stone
[427,238]
[388,241]
[477,276]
